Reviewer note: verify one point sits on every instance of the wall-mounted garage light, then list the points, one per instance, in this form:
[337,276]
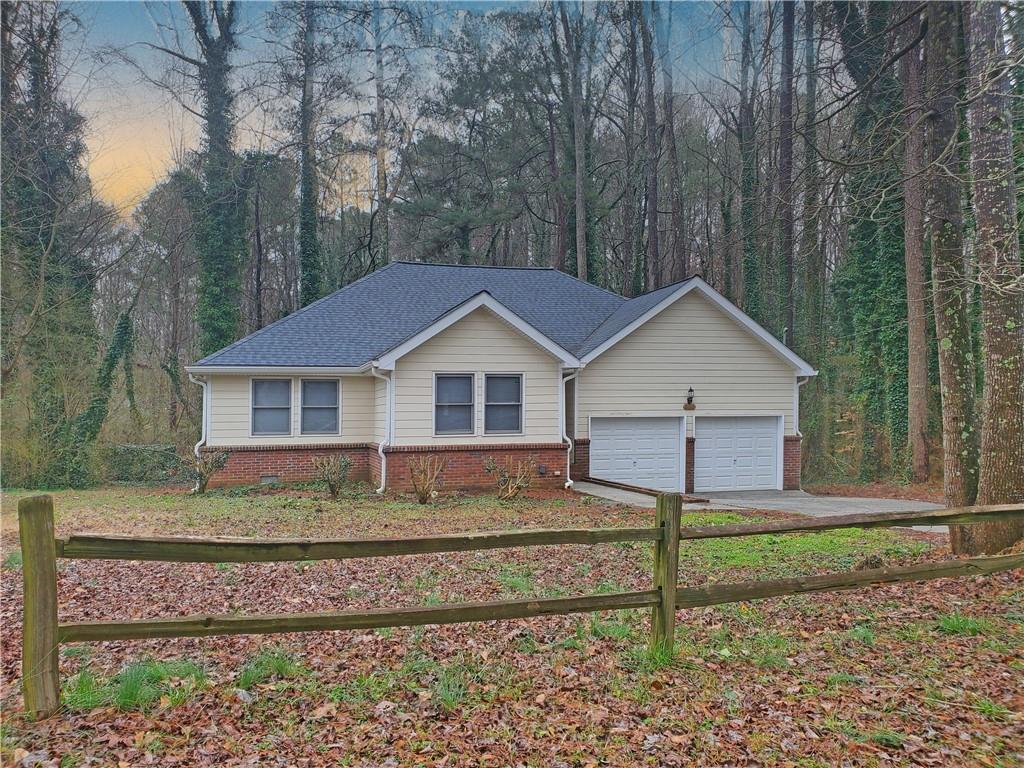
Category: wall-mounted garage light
[689,396]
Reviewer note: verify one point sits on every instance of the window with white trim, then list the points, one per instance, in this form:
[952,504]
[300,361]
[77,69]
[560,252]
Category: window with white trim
[271,406]
[453,404]
[320,407]
[503,403]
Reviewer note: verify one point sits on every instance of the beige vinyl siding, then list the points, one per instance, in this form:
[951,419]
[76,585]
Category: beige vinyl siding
[380,410]
[230,415]
[692,343]
[478,343]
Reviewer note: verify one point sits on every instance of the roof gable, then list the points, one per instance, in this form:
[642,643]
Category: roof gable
[627,319]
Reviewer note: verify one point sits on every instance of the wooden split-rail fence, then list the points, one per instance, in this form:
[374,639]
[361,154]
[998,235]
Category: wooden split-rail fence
[43,633]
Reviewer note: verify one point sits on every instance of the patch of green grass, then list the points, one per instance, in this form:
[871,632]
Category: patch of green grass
[612,629]
[75,651]
[267,665]
[993,710]
[515,579]
[136,687]
[370,687]
[647,660]
[958,624]
[861,633]
[451,687]
[13,560]
[223,567]
[781,553]
[886,738]
[839,679]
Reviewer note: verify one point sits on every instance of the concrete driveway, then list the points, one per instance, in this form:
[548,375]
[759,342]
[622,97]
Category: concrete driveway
[799,502]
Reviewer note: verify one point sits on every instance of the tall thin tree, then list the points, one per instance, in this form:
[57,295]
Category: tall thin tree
[1001,473]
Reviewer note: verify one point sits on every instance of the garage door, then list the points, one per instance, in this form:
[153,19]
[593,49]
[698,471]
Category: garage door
[736,453]
[645,452]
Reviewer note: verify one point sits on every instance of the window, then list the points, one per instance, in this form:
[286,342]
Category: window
[271,407]
[453,404]
[319,407]
[503,403]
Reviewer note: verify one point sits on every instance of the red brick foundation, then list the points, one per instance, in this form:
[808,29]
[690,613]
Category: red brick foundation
[464,469]
[464,465]
[580,466]
[289,464]
[791,462]
[691,446]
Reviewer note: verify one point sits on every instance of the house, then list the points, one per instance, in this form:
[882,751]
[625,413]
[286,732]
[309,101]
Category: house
[674,390]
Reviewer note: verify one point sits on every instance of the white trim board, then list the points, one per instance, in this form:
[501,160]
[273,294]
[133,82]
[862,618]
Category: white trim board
[803,368]
[483,299]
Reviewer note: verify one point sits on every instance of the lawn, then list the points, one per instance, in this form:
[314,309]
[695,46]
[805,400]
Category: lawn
[928,674]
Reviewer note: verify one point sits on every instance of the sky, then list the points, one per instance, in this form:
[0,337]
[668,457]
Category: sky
[136,130]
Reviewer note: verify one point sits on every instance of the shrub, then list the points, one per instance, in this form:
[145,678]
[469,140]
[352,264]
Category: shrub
[199,469]
[332,471]
[510,479]
[425,474]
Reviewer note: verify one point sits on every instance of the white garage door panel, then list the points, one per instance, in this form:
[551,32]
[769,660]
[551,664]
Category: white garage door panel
[736,453]
[645,452]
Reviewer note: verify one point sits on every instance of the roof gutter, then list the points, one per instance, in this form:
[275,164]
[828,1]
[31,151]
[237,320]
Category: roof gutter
[283,370]
[389,426]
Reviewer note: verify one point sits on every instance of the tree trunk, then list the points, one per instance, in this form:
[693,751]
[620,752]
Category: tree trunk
[679,262]
[786,166]
[812,343]
[950,288]
[380,252]
[559,235]
[913,251]
[751,258]
[1001,475]
[653,269]
[309,245]
[574,46]
[629,193]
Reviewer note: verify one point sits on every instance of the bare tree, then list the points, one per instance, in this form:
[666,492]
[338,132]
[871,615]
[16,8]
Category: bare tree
[1001,475]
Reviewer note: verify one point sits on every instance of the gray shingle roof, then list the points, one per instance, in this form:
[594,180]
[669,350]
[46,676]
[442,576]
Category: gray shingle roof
[362,321]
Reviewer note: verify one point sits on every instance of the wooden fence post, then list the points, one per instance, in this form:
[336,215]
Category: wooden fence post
[39,648]
[666,571]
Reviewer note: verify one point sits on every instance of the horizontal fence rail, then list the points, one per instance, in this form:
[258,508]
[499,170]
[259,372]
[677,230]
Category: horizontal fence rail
[202,626]
[43,634]
[951,516]
[189,549]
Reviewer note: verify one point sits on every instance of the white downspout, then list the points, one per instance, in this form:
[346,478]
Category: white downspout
[565,426]
[388,427]
[204,421]
[800,381]
[206,412]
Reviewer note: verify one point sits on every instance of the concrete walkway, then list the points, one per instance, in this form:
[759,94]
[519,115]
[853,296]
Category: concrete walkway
[799,502]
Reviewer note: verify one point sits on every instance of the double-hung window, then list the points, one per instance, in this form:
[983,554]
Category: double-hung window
[320,407]
[453,404]
[503,403]
[271,406]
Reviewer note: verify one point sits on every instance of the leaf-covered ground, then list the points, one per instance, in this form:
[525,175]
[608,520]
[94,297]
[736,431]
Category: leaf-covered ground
[927,674]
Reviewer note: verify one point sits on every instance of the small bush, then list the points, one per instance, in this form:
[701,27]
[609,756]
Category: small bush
[199,469]
[332,471]
[510,479]
[425,474]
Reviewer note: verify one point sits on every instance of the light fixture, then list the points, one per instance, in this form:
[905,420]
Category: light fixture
[689,396]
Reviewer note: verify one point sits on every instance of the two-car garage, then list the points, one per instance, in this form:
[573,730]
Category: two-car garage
[730,453]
